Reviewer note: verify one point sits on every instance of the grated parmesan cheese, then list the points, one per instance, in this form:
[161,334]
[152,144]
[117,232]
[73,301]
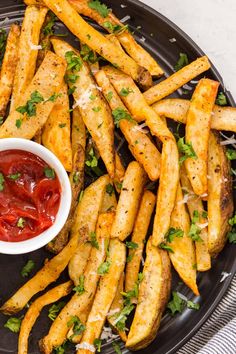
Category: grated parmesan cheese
[124,19]
[107,334]
[58,8]
[95,318]
[86,346]
[224,276]
[123,6]
[186,198]
[85,97]
[139,127]
[34,46]
[142,39]
[187,87]
[113,312]
[228,141]
[202,226]
[172,40]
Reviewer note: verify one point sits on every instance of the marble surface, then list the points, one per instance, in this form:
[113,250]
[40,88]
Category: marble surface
[212,25]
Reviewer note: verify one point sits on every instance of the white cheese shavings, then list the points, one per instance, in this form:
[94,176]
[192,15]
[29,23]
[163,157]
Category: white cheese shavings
[172,40]
[113,312]
[183,297]
[186,198]
[142,39]
[224,276]
[85,97]
[95,318]
[124,19]
[202,226]
[35,47]
[203,195]
[107,334]
[139,127]
[194,82]
[86,346]
[58,8]
[123,6]
[228,141]
[142,260]
[187,87]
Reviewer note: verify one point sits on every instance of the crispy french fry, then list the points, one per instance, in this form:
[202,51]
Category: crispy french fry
[220,200]
[57,129]
[8,68]
[197,132]
[45,276]
[138,237]
[183,256]
[47,81]
[128,203]
[119,173]
[85,220]
[38,137]
[105,294]
[28,51]
[34,310]
[176,80]
[44,40]
[154,292]
[194,203]
[223,118]
[78,134]
[115,40]
[140,144]
[81,304]
[116,306]
[95,112]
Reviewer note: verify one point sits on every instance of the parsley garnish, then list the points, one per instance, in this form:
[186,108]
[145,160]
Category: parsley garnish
[62,125]
[172,233]
[232,236]
[177,304]
[18,123]
[204,214]
[3,40]
[87,54]
[92,161]
[48,30]
[30,106]
[92,97]
[195,230]
[49,172]
[71,90]
[125,91]
[60,349]
[93,240]
[129,295]
[78,326]
[55,309]
[21,223]
[71,78]
[96,109]
[183,61]
[129,258]
[97,343]
[79,289]
[116,348]
[221,99]
[109,96]
[121,317]
[53,97]
[100,8]
[74,62]
[1,120]
[28,267]
[109,189]
[80,196]
[76,177]
[165,247]
[15,176]
[186,149]
[114,28]
[132,245]
[231,154]
[104,268]
[13,324]
[119,114]
[2,180]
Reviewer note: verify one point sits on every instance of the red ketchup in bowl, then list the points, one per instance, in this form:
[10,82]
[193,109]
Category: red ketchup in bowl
[30,194]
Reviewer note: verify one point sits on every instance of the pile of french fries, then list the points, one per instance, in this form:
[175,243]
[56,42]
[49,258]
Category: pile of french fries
[108,237]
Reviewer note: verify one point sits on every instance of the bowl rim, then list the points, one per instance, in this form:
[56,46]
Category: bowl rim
[46,236]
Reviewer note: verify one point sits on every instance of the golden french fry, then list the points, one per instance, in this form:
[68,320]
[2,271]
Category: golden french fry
[140,144]
[119,173]
[177,80]
[220,199]
[154,291]
[194,203]
[8,68]
[93,107]
[45,276]
[197,132]
[183,256]
[78,133]
[34,310]
[128,203]
[28,51]
[80,304]
[138,237]
[105,293]
[57,129]
[46,82]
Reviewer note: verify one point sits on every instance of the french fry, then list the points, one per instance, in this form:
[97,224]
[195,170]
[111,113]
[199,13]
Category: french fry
[47,81]
[105,294]
[78,134]
[220,200]
[154,291]
[119,173]
[28,51]
[194,203]
[57,130]
[8,68]
[34,310]
[138,237]
[95,112]
[177,80]
[223,118]
[85,220]
[44,40]
[140,144]
[197,132]
[81,304]
[128,203]
[183,256]
[45,276]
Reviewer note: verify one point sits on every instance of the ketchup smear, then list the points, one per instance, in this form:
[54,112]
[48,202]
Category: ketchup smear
[30,194]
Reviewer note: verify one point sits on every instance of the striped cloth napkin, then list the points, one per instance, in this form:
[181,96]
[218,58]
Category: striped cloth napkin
[218,334]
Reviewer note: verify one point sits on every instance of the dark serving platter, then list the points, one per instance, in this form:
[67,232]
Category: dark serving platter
[174,331]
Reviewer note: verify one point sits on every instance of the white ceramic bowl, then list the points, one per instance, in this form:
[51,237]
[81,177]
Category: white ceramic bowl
[64,207]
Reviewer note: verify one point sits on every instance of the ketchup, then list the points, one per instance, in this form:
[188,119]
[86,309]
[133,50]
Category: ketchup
[30,194]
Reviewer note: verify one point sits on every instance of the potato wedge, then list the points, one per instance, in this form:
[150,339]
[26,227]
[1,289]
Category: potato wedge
[28,51]
[57,130]
[183,257]
[93,107]
[197,132]
[46,82]
[34,310]
[128,203]
[141,225]
[96,41]
[154,292]
[119,173]
[81,304]
[85,220]
[45,276]
[220,199]
[176,80]
[78,134]
[105,294]
[8,68]
[223,118]
[203,258]
[140,144]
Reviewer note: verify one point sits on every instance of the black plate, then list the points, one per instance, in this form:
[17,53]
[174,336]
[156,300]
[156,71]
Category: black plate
[174,331]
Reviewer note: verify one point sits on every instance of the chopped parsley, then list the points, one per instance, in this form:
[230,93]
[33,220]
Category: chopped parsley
[1,120]
[62,125]
[172,233]
[53,98]
[13,324]
[114,28]
[21,223]
[194,231]
[96,109]
[231,154]
[109,189]
[92,97]
[178,304]
[129,258]
[79,289]
[119,114]
[49,172]
[121,317]
[76,177]
[74,62]
[97,343]
[182,61]
[92,160]
[232,221]
[71,90]
[18,123]
[71,78]
[2,180]
[80,196]
[93,240]
[99,8]
[116,347]
[48,30]
[3,40]
[221,99]
[132,245]
[104,268]
[27,269]
[78,326]
[109,96]
[186,149]
[30,107]
[129,295]
[60,349]
[125,91]
[14,176]
[88,54]
[55,309]
[232,236]
[165,247]
[204,214]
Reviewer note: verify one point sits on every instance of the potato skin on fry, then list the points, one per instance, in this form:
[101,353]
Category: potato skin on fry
[220,198]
